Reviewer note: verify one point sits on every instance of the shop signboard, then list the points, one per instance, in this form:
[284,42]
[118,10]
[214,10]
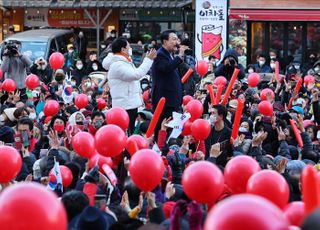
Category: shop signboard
[211,28]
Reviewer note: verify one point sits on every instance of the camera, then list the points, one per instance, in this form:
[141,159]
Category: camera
[11,48]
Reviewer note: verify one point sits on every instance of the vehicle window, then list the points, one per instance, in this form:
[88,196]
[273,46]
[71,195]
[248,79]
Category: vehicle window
[34,49]
[62,44]
[53,47]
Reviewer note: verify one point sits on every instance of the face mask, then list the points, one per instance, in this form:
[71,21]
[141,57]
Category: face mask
[318,135]
[90,98]
[130,52]
[70,51]
[73,83]
[75,94]
[97,124]
[272,65]
[297,66]
[80,66]
[88,84]
[243,130]
[95,67]
[59,128]
[32,116]
[261,63]
[43,67]
[213,119]
[113,35]
[250,70]
[103,46]
[79,122]
[316,69]
[35,93]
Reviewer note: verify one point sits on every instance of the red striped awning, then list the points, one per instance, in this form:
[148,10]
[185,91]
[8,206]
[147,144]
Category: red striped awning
[275,15]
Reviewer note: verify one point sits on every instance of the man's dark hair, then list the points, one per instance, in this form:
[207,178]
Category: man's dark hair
[26,121]
[222,110]
[74,202]
[310,155]
[165,35]
[97,114]
[118,44]
[262,55]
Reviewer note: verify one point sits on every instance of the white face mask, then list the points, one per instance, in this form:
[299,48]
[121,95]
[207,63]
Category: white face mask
[130,52]
[43,67]
[73,83]
[243,130]
[261,63]
[35,93]
[79,66]
[88,84]
[318,135]
[90,98]
[32,116]
[213,119]
[316,69]
[250,70]
[70,51]
[95,67]
[272,65]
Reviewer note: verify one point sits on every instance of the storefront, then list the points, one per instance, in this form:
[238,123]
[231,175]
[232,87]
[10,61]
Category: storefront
[291,27]
[96,18]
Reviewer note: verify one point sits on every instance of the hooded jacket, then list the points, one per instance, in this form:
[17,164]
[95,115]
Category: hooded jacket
[123,78]
[227,71]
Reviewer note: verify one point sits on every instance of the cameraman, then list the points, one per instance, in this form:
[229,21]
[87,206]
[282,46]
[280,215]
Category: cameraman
[42,70]
[229,62]
[14,66]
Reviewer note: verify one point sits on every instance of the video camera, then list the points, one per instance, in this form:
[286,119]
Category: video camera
[11,48]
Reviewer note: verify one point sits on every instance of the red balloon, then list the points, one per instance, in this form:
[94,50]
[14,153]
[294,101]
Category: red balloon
[253,79]
[186,99]
[51,108]
[1,73]
[100,160]
[32,81]
[146,169]
[56,60]
[110,140]
[202,67]
[23,201]
[238,171]
[81,101]
[310,188]
[101,103]
[10,163]
[220,81]
[265,108]
[137,140]
[307,79]
[203,182]
[187,128]
[118,116]
[66,175]
[9,85]
[270,185]
[195,108]
[200,129]
[83,144]
[246,212]
[265,92]
[295,212]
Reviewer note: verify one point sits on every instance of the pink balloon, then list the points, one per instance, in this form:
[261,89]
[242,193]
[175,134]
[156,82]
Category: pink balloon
[238,171]
[203,182]
[220,81]
[253,79]
[295,212]
[186,99]
[56,60]
[245,212]
[265,108]
[307,79]
[22,202]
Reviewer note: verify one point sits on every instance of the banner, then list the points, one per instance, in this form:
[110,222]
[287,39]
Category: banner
[211,28]
[36,18]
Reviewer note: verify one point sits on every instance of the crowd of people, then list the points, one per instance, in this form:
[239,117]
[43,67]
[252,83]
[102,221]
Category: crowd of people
[43,141]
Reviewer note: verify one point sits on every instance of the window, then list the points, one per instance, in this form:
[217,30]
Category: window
[295,41]
[257,39]
[276,37]
[238,39]
[313,37]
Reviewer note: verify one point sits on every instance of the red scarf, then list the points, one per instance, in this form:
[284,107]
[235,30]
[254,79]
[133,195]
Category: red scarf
[125,56]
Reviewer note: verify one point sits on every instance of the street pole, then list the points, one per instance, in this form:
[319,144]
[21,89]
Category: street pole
[98,32]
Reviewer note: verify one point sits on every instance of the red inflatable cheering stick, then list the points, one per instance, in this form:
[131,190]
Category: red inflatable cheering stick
[230,86]
[156,117]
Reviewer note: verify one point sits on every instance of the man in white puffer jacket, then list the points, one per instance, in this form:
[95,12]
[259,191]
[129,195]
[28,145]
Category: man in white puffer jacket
[123,77]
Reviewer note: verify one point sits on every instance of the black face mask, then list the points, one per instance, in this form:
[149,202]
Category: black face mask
[79,122]
[97,124]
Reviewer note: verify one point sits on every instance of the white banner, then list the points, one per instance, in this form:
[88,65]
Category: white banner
[36,17]
[211,28]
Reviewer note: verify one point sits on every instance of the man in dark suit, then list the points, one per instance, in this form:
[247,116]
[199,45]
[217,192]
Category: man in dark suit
[166,80]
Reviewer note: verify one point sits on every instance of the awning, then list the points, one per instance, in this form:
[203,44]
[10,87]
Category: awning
[275,15]
[94,3]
